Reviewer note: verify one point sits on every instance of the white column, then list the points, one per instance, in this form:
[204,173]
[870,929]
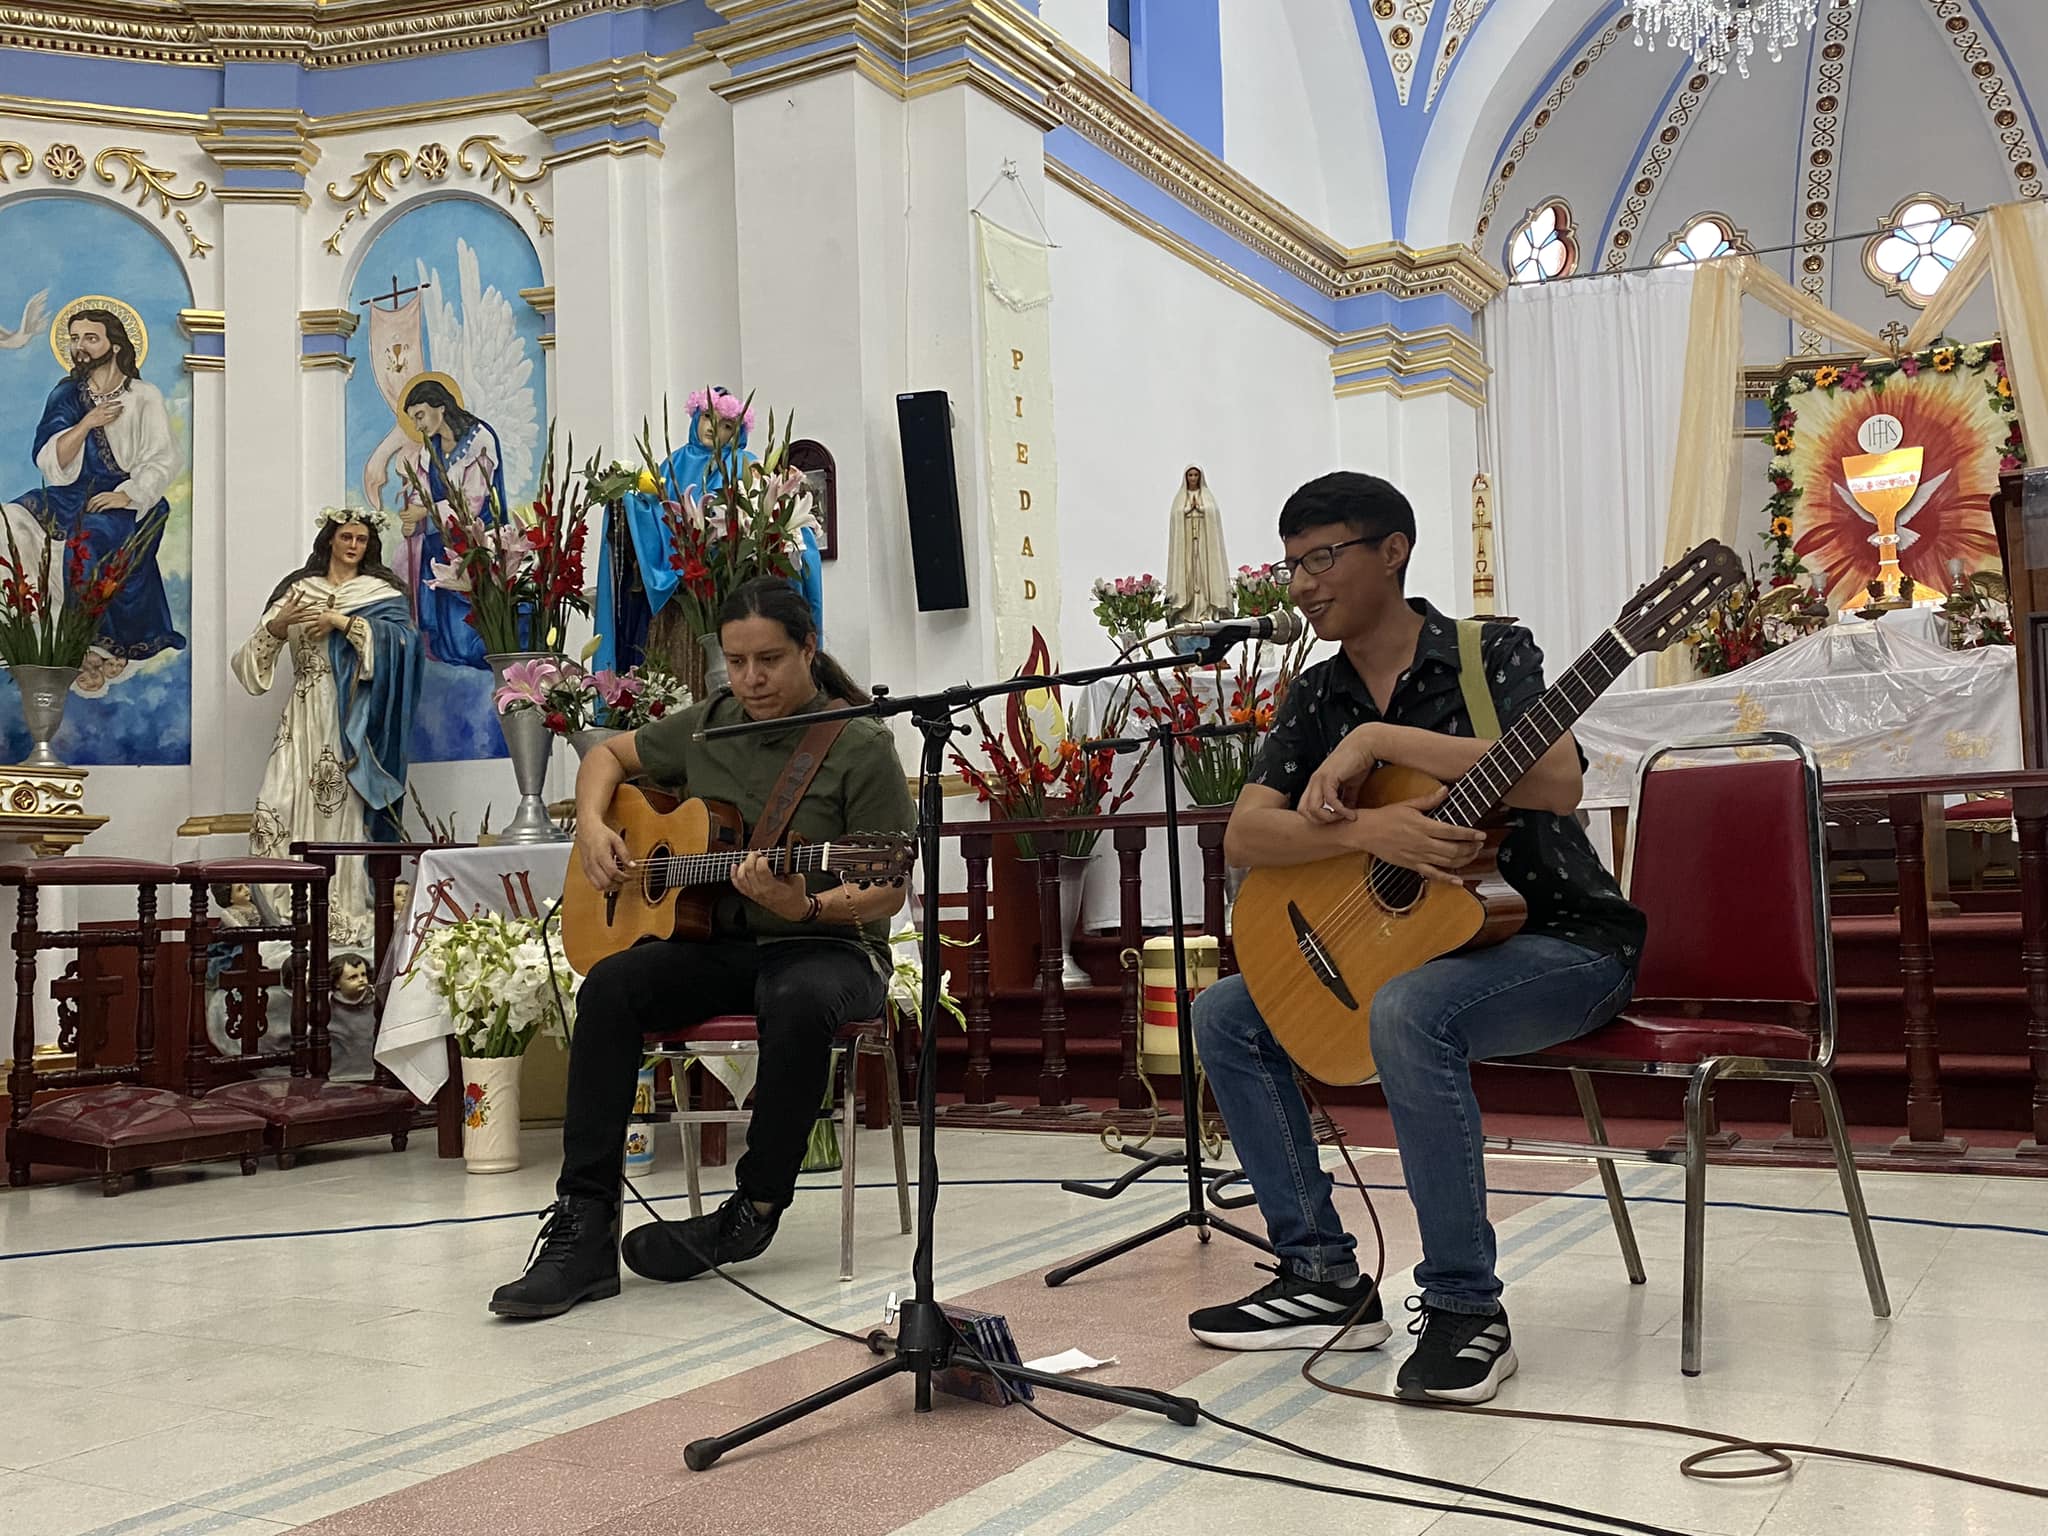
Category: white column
[264,158]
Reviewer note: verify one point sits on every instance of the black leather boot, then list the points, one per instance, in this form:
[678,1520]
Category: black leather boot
[575,1258]
[682,1250]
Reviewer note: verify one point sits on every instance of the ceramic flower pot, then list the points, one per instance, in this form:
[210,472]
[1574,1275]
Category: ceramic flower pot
[490,1113]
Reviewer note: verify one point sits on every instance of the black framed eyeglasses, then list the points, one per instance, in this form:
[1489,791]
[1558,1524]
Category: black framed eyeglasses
[1318,560]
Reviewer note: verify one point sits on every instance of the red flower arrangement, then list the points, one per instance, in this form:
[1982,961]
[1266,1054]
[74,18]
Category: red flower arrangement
[1029,781]
[39,631]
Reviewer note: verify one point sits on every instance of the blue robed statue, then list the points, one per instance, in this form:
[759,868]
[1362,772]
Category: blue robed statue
[635,579]
[337,768]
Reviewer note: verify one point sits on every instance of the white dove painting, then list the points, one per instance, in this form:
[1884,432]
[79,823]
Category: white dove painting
[451,404]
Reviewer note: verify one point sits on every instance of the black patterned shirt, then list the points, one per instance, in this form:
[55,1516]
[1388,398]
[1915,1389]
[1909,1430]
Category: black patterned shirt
[1546,858]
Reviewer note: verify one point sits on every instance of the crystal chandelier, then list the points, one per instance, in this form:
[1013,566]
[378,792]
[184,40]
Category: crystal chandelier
[1713,31]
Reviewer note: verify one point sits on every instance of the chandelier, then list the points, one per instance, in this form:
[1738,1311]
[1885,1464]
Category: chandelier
[1713,31]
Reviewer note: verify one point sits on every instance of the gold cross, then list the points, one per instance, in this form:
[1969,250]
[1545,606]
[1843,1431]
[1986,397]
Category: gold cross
[1894,337]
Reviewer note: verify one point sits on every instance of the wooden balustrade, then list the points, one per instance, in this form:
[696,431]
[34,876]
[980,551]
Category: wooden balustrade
[1130,834]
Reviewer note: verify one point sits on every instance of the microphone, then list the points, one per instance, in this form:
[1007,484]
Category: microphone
[1283,626]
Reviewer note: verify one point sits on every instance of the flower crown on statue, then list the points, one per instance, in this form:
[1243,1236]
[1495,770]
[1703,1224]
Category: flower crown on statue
[380,522]
[722,404]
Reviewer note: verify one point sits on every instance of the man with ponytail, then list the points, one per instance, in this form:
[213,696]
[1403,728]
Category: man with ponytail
[804,958]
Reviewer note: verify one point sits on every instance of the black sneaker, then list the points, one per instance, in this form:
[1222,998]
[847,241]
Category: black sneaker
[682,1250]
[1460,1357]
[575,1258]
[1292,1313]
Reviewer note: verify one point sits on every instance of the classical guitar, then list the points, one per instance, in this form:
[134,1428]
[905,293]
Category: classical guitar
[1317,941]
[679,856]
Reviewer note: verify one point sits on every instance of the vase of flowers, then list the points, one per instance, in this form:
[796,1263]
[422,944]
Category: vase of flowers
[523,679]
[1128,607]
[45,633]
[503,981]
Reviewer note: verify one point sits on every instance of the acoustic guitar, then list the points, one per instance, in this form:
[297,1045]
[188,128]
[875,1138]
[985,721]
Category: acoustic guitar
[1316,942]
[679,856]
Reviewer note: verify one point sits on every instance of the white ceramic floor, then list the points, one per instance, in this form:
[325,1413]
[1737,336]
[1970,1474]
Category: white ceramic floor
[219,1356]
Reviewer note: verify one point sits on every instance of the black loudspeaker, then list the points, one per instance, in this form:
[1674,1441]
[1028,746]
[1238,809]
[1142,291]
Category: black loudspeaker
[925,420]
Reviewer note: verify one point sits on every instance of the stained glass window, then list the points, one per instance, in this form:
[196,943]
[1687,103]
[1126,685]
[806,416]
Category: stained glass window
[1920,245]
[1544,248]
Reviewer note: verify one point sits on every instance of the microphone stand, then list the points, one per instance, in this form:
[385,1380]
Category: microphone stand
[926,1342]
[1197,1214]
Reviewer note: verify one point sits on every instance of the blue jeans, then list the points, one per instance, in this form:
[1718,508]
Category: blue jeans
[1526,994]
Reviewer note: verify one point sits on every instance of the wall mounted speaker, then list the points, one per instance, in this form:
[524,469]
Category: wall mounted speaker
[925,421]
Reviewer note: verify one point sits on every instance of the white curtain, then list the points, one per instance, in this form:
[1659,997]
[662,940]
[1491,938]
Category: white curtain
[1582,431]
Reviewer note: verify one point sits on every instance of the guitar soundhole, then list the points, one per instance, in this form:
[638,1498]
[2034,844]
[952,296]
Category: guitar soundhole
[1394,888]
[654,881]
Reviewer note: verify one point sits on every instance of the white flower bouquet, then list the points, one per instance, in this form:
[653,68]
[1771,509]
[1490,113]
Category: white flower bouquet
[503,984]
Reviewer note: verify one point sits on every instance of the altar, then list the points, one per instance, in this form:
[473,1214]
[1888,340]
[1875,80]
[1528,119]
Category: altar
[1873,701]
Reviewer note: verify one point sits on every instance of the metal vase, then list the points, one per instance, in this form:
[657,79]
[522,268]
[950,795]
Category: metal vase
[531,744]
[590,738]
[44,692]
[715,674]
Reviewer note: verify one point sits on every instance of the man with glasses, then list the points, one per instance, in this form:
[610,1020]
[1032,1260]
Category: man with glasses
[1394,693]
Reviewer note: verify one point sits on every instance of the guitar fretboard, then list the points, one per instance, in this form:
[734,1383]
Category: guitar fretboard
[717,868]
[1507,761]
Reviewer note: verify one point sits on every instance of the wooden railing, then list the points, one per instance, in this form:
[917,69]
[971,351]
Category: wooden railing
[1129,833]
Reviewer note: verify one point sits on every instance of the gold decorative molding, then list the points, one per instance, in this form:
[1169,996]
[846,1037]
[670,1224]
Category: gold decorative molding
[382,171]
[203,322]
[316,34]
[540,300]
[328,322]
[260,140]
[505,172]
[431,161]
[318,362]
[428,114]
[9,150]
[98,115]
[224,824]
[45,809]
[1405,357]
[146,181]
[61,162]
[613,93]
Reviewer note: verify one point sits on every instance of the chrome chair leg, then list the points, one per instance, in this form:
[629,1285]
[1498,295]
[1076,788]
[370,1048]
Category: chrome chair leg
[1610,1178]
[1852,1195]
[691,1156]
[888,1059]
[1698,1096]
[849,1134]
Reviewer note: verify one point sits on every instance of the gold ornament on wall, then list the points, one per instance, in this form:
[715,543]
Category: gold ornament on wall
[382,171]
[148,182]
[64,162]
[502,169]
[9,150]
[432,161]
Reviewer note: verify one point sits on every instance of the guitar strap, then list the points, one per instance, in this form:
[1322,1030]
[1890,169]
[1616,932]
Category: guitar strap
[797,774]
[1472,681]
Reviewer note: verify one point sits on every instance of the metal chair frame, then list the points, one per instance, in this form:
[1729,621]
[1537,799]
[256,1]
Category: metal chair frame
[851,1048]
[1703,1076]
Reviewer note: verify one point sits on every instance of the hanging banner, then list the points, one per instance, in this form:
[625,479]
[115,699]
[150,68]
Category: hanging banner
[1016,342]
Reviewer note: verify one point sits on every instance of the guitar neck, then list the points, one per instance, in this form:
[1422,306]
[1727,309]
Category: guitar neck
[1486,783]
[717,868]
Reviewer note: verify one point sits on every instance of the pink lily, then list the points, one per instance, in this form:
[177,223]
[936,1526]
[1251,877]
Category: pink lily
[526,685]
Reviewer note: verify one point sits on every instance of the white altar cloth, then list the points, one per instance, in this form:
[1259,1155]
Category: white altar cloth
[1873,701]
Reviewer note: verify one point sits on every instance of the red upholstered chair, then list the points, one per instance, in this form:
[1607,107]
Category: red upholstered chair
[735,1035]
[304,1109]
[118,1124]
[1726,859]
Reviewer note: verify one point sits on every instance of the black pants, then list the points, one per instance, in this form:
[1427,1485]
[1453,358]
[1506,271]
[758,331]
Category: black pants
[801,992]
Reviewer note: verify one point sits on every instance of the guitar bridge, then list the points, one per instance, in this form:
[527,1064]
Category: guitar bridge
[1318,958]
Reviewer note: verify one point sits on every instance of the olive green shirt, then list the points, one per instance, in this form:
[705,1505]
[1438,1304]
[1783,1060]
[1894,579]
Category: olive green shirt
[860,787]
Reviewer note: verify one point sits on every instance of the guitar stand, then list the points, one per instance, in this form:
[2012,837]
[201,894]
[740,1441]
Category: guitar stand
[926,1342]
[1197,1216]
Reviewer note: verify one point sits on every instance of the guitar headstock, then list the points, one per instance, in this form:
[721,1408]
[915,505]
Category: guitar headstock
[1671,604]
[870,858]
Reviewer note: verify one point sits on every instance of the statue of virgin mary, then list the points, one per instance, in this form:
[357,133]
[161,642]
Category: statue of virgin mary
[1197,575]
[337,768]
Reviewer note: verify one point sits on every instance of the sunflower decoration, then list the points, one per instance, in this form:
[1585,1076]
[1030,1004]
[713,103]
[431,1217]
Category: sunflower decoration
[1827,377]
[1945,359]
[2003,388]
[1783,441]
[1781,527]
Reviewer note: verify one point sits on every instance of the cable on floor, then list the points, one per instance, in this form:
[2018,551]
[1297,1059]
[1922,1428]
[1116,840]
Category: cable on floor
[1777,1454]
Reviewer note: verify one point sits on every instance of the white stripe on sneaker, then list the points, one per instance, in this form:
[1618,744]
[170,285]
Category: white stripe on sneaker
[1290,1306]
[1486,1345]
[1264,1313]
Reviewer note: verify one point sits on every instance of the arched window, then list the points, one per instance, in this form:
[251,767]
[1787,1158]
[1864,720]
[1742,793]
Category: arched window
[1705,237]
[1919,246]
[1546,246]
